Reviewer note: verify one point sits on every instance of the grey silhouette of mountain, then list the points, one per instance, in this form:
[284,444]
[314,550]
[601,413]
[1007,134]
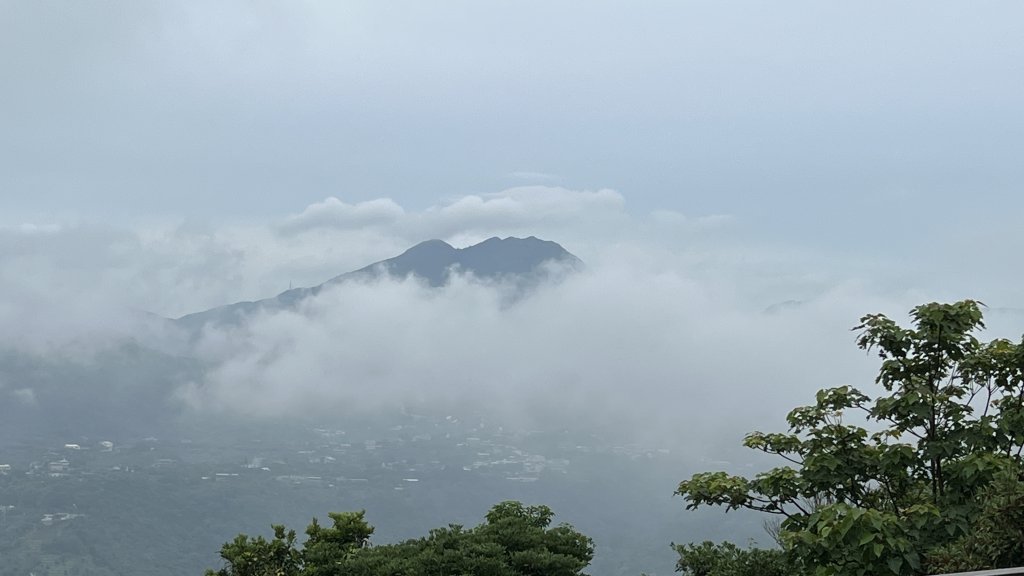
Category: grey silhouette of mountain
[524,262]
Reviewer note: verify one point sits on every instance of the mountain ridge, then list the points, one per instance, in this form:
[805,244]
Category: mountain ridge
[521,259]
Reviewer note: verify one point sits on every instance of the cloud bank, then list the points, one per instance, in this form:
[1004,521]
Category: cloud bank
[170,268]
[672,325]
[622,347]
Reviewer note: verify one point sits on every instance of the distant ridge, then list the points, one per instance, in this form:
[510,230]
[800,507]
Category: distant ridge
[520,260]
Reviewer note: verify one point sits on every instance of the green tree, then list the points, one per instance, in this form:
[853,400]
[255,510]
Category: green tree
[246,556]
[901,497]
[327,548]
[530,546]
[515,540]
[727,559]
[997,536]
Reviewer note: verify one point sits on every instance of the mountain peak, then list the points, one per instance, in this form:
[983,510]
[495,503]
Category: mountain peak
[430,246]
[434,260]
[522,261]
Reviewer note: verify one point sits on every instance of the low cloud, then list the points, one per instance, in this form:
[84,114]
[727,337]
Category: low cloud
[524,206]
[636,351]
[67,284]
[519,210]
[665,331]
[333,213]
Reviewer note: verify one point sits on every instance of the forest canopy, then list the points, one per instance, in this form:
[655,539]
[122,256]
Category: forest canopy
[514,540]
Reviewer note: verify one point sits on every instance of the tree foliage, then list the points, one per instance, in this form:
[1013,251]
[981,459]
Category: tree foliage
[932,476]
[727,559]
[515,540]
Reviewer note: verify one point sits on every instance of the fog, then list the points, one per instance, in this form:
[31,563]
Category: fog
[742,181]
[681,331]
[618,345]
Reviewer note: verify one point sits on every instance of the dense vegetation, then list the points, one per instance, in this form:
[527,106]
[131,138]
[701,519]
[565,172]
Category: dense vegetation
[515,540]
[930,483]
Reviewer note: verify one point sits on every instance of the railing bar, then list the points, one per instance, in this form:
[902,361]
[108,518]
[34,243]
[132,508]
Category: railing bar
[999,572]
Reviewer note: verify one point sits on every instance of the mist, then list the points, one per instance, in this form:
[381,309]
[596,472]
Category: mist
[678,330]
[741,183]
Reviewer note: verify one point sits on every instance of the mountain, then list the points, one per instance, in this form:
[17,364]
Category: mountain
[521,261]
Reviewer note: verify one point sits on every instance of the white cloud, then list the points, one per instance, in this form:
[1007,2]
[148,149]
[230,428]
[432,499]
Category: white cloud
[529,204]
[623,344]
[61,280]
[475,216]
[333,213]
[74,282]
[667,319]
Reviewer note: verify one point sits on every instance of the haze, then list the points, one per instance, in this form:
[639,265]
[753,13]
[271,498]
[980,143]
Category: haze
[708,163]
[743,181]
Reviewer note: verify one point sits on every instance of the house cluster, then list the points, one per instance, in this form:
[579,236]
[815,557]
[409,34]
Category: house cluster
[517,465]
[54,468]
[49,519]
[406,455]
[421,451]
[59,461]
[58,467]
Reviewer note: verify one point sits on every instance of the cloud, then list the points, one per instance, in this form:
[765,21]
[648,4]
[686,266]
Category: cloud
[171,108]
[61,279]
[53,283]
[333,213]
[639,349]
[516,206]
[76,281]
[514,209]
[668,319]
[66,281]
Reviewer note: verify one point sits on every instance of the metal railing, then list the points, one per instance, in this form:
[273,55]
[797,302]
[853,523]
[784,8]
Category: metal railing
[999,572]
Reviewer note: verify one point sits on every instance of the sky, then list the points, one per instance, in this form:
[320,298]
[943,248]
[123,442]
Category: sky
[708,160]
[805,118]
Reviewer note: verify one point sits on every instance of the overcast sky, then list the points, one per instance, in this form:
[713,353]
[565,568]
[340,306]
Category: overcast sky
[807,119]
[869,131]
[706,159]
